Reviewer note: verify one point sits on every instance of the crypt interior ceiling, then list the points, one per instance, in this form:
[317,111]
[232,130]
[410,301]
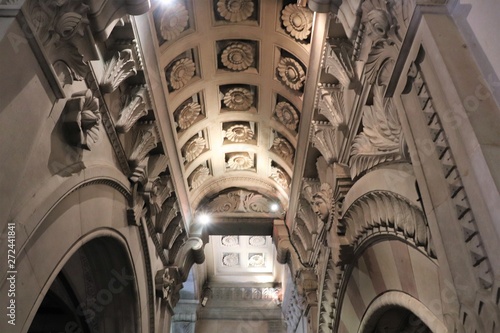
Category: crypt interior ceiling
[233,76]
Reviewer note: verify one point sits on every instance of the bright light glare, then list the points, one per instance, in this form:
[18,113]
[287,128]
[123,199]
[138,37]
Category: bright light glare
[274,207]
[204,219]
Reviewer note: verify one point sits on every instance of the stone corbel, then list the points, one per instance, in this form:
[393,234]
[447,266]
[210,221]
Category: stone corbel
[117,69]
[331,105]
[285,252]
[156,191]
[339,64]
[136,210]
[145,140]
[81,119]
[169,211]
[191,252]
[168,284]
[135,108]
[104,15]
[326,139]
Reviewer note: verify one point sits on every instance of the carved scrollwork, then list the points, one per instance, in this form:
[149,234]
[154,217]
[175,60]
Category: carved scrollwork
[297,21]
[291,73]
[156,191]
[238,99]
[81,119]
[173,21]
[239,201]
[235,10]
[136,107]
[382,138]
[181,72]
[194,148]
[287,115]
[240,161]
[239,133]
[117,69]
[188,114]
[238,56]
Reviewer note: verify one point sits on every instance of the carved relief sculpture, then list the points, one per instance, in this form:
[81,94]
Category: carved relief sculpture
[239,201]
[58,25]
[237,56]
[291,73]
[331,105]
[297,21]
[231,259]
[324,138]
[194,148]
[117,69]
[287,115]
[134,109]
[338,55]
[238,99]
[174,20]
[283,148]
[188,114]
[320,198]
[181,72]
[235,10]
[82,119]
[199,176]
[240,161]
[280,177]
[230,240]
[382,138]
[239,133]
[145,140]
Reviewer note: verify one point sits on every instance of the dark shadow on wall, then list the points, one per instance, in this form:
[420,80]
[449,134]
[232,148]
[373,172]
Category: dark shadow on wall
[64,160]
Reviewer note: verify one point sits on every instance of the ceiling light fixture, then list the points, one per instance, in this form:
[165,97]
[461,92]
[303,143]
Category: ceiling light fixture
[204,218]
[274,207]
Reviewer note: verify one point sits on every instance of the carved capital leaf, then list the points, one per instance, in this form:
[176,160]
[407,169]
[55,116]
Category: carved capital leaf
[117,69]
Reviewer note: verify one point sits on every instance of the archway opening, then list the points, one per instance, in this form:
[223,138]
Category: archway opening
[398,320]
[95,291]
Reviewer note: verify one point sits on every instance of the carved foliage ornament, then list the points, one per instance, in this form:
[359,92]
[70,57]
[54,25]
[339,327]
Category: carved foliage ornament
[237,56]
[57,23]
[194,148]
[239,201]
[287,115]
[117,69]
[324,139]
[297,21]
[238,99]
[239,133]
[173,21]
[181,72]
[382,138]
[331,105]
[338,62]
[188,115]
[235,10]
[291,73]
[145,140]
[133,110]
[82,119]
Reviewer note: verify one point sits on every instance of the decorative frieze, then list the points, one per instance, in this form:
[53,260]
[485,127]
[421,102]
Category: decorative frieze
[117,69]
[240,201]
[82,119]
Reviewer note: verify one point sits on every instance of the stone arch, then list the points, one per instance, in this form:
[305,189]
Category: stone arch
[84,211]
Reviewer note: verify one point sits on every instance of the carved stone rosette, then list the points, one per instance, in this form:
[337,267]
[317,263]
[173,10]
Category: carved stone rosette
[238,99]
[240,161]
[188,114]
[280,177]
[235,10]
[287,115]
[239,133]
[81,119]
[291,73]
[297,21]
[238,56]
[283,148]
[173,21]
[199,176]
[181,72]
[194,148]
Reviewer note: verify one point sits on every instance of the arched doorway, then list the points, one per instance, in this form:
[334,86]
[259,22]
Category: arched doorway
[95,291]
[397,320]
